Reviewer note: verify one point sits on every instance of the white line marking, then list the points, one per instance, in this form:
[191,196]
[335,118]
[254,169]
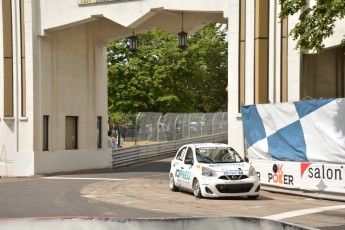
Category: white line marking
[301,212]
[130,202]
[257,207]
[91,196]
[80,178]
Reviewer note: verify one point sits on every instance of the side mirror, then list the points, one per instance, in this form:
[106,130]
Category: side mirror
[189,162]
[246,159]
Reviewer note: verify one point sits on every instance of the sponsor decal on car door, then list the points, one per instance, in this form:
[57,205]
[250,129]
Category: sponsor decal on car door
[183,177]
[183,174]
[178,164]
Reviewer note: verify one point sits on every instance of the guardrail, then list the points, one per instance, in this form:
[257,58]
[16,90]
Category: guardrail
[144,153]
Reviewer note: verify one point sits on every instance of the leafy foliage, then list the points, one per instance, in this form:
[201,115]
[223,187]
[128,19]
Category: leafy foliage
[160,77]
[315,24]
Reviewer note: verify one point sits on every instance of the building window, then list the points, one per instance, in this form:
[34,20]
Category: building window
[45,133]
[99,132]
[284,60]
[22,51]
[8,57]
[71,141]
[261,51]
[242,51]
[323,74]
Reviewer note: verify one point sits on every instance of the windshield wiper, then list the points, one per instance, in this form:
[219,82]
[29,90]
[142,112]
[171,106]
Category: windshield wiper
[202,161]
[225,162]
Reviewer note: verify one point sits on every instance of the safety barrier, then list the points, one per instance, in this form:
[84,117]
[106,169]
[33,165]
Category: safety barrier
[317,180]
[289,150]
[95,223]
[144,153]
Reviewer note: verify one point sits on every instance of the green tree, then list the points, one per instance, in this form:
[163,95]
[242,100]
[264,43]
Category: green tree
[160,77]
[315,24]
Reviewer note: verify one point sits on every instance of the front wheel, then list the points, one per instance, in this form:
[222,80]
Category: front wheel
[172,183]
[253,197]
[196,188]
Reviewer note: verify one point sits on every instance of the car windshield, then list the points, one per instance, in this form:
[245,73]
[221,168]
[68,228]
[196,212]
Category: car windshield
[217,155]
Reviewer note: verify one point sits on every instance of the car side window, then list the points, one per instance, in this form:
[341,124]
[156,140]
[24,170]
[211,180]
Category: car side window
[189,155]
[180,155]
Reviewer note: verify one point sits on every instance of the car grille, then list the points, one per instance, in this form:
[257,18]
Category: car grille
[234,188]
[233,177]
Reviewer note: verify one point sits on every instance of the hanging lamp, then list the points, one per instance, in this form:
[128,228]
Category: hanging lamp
[133,42]
[182,38]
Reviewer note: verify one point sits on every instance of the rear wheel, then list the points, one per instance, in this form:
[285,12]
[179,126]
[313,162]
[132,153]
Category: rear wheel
[196,188]
[172,183]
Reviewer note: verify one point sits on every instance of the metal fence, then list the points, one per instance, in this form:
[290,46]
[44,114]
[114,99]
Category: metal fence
[143,153]
[158,127]
[157,135]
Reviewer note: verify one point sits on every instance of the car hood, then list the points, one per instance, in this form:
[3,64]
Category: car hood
[219,167]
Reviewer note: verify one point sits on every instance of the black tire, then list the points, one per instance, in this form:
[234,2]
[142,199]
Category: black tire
[172,183]
[196,188]
[253,197]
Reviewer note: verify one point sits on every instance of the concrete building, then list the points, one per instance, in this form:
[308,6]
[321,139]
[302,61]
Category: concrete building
[53,71]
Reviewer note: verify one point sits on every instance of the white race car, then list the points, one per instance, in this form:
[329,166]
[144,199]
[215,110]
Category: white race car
[213,170]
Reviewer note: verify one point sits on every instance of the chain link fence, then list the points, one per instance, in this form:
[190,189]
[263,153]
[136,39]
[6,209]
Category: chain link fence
[158,127]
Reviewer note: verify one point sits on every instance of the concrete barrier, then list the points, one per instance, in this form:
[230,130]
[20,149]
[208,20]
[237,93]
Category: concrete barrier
[97,223]
[317,180]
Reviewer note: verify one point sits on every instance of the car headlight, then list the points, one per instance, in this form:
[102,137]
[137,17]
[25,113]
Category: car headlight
[252,171]
[208,172]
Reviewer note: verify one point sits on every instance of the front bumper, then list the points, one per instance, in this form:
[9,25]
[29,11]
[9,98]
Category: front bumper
[213,187]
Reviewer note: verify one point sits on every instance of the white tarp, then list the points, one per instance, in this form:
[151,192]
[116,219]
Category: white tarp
[306,131]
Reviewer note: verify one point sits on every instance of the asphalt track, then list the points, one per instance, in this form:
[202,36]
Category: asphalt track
[142,191]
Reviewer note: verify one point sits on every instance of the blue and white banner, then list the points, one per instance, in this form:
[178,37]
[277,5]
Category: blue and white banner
[305,131]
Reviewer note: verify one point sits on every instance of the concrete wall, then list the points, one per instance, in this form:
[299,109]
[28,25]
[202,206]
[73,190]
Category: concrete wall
[73,82]
[72,86]
[294,63]
[235,129]
[16,133]
[66,75]
[71,160]
[142,15]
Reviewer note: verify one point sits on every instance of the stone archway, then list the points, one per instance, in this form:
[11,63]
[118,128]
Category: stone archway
[70,65]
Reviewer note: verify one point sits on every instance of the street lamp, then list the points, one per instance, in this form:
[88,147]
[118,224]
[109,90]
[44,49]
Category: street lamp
[133,42]
[182,38]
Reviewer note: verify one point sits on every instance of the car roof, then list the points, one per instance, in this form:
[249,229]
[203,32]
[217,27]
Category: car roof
[203,145]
